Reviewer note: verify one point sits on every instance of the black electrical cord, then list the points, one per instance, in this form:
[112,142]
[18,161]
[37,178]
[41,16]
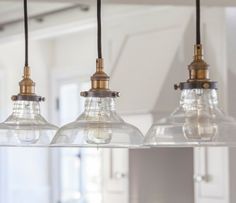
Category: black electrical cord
[26,32]
[198,22]
[99,29]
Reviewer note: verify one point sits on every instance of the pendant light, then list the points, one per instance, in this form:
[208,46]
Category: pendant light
[25,126]
[99,125]
[198,121]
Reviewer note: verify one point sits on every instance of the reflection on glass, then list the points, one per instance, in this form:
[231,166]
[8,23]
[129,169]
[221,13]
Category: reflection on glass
[25,126]
[99,126]
[197,121]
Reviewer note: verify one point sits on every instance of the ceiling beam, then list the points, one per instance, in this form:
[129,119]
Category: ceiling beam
[154,2]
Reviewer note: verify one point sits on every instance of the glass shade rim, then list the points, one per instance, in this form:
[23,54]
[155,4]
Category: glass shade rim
[220,141]
[106,125]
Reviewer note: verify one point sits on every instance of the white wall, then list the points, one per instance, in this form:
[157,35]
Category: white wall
[75,52]
[231,59]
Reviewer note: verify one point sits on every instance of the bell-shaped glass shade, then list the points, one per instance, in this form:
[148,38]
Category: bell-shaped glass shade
[198,121]
[99,126]
[26,127]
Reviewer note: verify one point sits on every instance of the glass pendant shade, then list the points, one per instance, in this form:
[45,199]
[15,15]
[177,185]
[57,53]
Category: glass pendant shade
[26,127]
[198,121]
[99,126]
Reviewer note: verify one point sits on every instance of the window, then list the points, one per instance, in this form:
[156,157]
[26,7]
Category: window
[79,170]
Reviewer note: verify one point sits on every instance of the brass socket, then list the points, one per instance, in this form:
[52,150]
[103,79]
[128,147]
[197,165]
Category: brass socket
[27,86]
[100,80]
[198,69]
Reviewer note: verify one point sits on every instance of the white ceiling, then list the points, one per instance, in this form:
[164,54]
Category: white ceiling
[10,10]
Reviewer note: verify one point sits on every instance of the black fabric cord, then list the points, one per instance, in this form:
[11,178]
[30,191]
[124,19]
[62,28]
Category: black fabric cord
[99,29]
[26,31]
[198,22]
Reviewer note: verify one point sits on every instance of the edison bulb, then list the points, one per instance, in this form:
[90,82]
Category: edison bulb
[97,111]
[26,111]
[200,126]
[200,123]
[98,135]
[26,137]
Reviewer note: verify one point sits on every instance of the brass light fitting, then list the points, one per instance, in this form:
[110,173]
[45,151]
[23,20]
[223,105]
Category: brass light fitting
[27,88]
[198,73]
[100,83]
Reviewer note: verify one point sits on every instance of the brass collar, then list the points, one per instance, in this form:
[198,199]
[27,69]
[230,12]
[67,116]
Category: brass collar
[100,83]
[100,80]
[27,86]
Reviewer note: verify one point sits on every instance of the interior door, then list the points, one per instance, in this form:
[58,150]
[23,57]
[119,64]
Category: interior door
[75,179]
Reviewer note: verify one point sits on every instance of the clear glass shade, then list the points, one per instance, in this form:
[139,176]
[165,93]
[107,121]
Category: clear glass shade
[26,127]
[99,126]
[198,121]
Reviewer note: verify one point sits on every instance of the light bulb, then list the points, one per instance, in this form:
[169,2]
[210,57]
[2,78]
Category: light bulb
[98,136]
[200,128]
[99,126]
[200,121]
[25,126]
[98,111]
[26,137]
[26,111]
